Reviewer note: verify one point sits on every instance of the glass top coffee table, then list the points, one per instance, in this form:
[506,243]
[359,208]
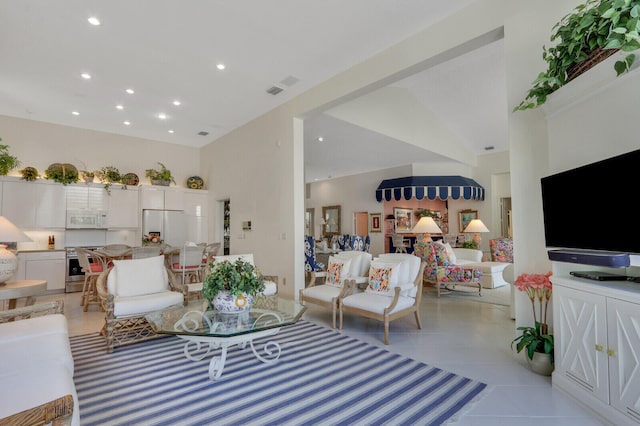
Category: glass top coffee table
[200,326]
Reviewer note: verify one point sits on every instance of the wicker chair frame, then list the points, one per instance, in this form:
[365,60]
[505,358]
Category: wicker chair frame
[126,330]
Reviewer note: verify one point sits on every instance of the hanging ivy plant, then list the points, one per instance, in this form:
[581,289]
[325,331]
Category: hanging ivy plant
[109,175]
[596,25]
[29,174]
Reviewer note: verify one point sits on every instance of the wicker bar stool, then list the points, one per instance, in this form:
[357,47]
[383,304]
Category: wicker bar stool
[92,265]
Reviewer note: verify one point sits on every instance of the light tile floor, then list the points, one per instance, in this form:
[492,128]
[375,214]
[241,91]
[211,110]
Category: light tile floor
[462,336]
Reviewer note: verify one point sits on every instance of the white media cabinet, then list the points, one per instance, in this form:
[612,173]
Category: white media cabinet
[597,345]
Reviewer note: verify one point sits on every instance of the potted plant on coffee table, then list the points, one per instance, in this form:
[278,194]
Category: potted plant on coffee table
[537,340]
[232,286]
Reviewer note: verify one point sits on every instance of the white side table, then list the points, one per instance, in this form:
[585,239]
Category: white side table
[15,289]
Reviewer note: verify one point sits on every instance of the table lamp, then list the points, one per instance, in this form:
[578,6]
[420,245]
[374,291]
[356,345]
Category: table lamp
[476,226]
[8,260]
[426,226]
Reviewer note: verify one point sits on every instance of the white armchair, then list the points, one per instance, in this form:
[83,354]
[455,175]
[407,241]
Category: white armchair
[128,291]
[346,265]
[394,290]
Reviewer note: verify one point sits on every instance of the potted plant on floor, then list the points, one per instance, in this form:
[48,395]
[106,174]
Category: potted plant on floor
[592,32]
[161,177]
[232,286]
[536,340]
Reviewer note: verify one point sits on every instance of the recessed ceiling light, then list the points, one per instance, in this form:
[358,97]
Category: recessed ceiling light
[130,91]
[127,123]
[162,116]
[119,107]
[221,66]
[75,113]
[85,75]
[171,131]
[94,21]
[176,102]
[320,139]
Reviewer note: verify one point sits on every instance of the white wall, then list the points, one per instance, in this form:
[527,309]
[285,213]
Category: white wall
[39,144]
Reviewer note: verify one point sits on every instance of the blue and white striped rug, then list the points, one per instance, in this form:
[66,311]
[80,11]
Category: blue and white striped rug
[322,378]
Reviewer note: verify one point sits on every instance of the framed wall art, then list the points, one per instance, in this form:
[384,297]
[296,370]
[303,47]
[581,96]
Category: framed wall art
[375,222]
[466,216]
[404,219]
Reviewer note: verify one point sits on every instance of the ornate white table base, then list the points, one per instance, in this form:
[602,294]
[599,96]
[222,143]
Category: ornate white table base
[195,343]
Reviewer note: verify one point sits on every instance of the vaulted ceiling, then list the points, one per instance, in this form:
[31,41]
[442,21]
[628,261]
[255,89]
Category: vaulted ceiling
[168,51]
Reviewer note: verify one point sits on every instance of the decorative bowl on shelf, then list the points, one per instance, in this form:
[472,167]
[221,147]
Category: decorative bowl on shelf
[131,179]
[195,182]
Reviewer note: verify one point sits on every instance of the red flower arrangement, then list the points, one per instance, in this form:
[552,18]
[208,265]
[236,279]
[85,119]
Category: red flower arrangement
[536,339]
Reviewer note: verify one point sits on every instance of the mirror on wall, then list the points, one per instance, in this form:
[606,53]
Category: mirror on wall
[308,221]
[331,215]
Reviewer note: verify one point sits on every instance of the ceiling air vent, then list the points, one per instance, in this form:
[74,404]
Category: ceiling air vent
[274,90]
[203,133]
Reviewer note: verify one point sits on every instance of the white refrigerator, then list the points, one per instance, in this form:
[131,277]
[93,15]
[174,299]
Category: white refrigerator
[171,224]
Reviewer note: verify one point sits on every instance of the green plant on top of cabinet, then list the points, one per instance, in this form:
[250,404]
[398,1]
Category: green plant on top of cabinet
[160,177]
[29,174]
[8,162]
[63,173]
[109,175]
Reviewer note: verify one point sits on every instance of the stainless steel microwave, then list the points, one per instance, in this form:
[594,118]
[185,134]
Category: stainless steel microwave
[87,219]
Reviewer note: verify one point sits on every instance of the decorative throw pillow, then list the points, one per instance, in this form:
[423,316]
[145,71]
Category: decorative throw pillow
[337,270]
[382,277]
[450,253]
[135,277]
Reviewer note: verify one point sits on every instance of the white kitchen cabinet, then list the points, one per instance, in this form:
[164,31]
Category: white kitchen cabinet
[34,204]
[43,265]
[161,198]
[196,203]
[124,212]
[597,346]
[86,197]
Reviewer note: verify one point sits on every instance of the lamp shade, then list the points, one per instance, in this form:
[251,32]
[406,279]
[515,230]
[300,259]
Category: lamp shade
[426,225]
[8,261]
[476,225]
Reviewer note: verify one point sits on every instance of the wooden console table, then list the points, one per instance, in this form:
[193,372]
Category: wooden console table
[15,289]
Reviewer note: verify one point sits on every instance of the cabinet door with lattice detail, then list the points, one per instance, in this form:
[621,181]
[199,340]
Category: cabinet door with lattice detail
[581,340]
[624,356]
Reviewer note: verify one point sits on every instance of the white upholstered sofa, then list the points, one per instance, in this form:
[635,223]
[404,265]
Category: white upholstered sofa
[492,272]
[37,368]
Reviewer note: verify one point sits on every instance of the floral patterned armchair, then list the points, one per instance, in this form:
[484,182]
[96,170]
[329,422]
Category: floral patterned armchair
[441,272]
[501,249]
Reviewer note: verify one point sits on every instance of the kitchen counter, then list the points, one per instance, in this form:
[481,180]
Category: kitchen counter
[40,250]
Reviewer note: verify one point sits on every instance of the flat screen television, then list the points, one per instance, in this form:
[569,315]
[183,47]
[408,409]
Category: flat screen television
[592,207]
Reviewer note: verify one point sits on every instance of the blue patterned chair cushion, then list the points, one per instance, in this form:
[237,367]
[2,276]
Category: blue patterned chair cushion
[357,243]
[310,263]
[344,242]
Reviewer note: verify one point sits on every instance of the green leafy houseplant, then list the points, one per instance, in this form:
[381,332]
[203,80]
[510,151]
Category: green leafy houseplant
[235,277]
[7,161]
[162,175]
[535,339]
[596,24]
[62,173]
[109,175]
[29,174]
[469,245]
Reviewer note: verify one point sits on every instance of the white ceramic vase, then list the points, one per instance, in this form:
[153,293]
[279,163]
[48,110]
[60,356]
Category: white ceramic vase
[540,364]
[226,302]
[8,264]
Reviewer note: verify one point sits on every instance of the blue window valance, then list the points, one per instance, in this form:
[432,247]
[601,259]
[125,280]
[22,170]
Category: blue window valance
[430,187]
